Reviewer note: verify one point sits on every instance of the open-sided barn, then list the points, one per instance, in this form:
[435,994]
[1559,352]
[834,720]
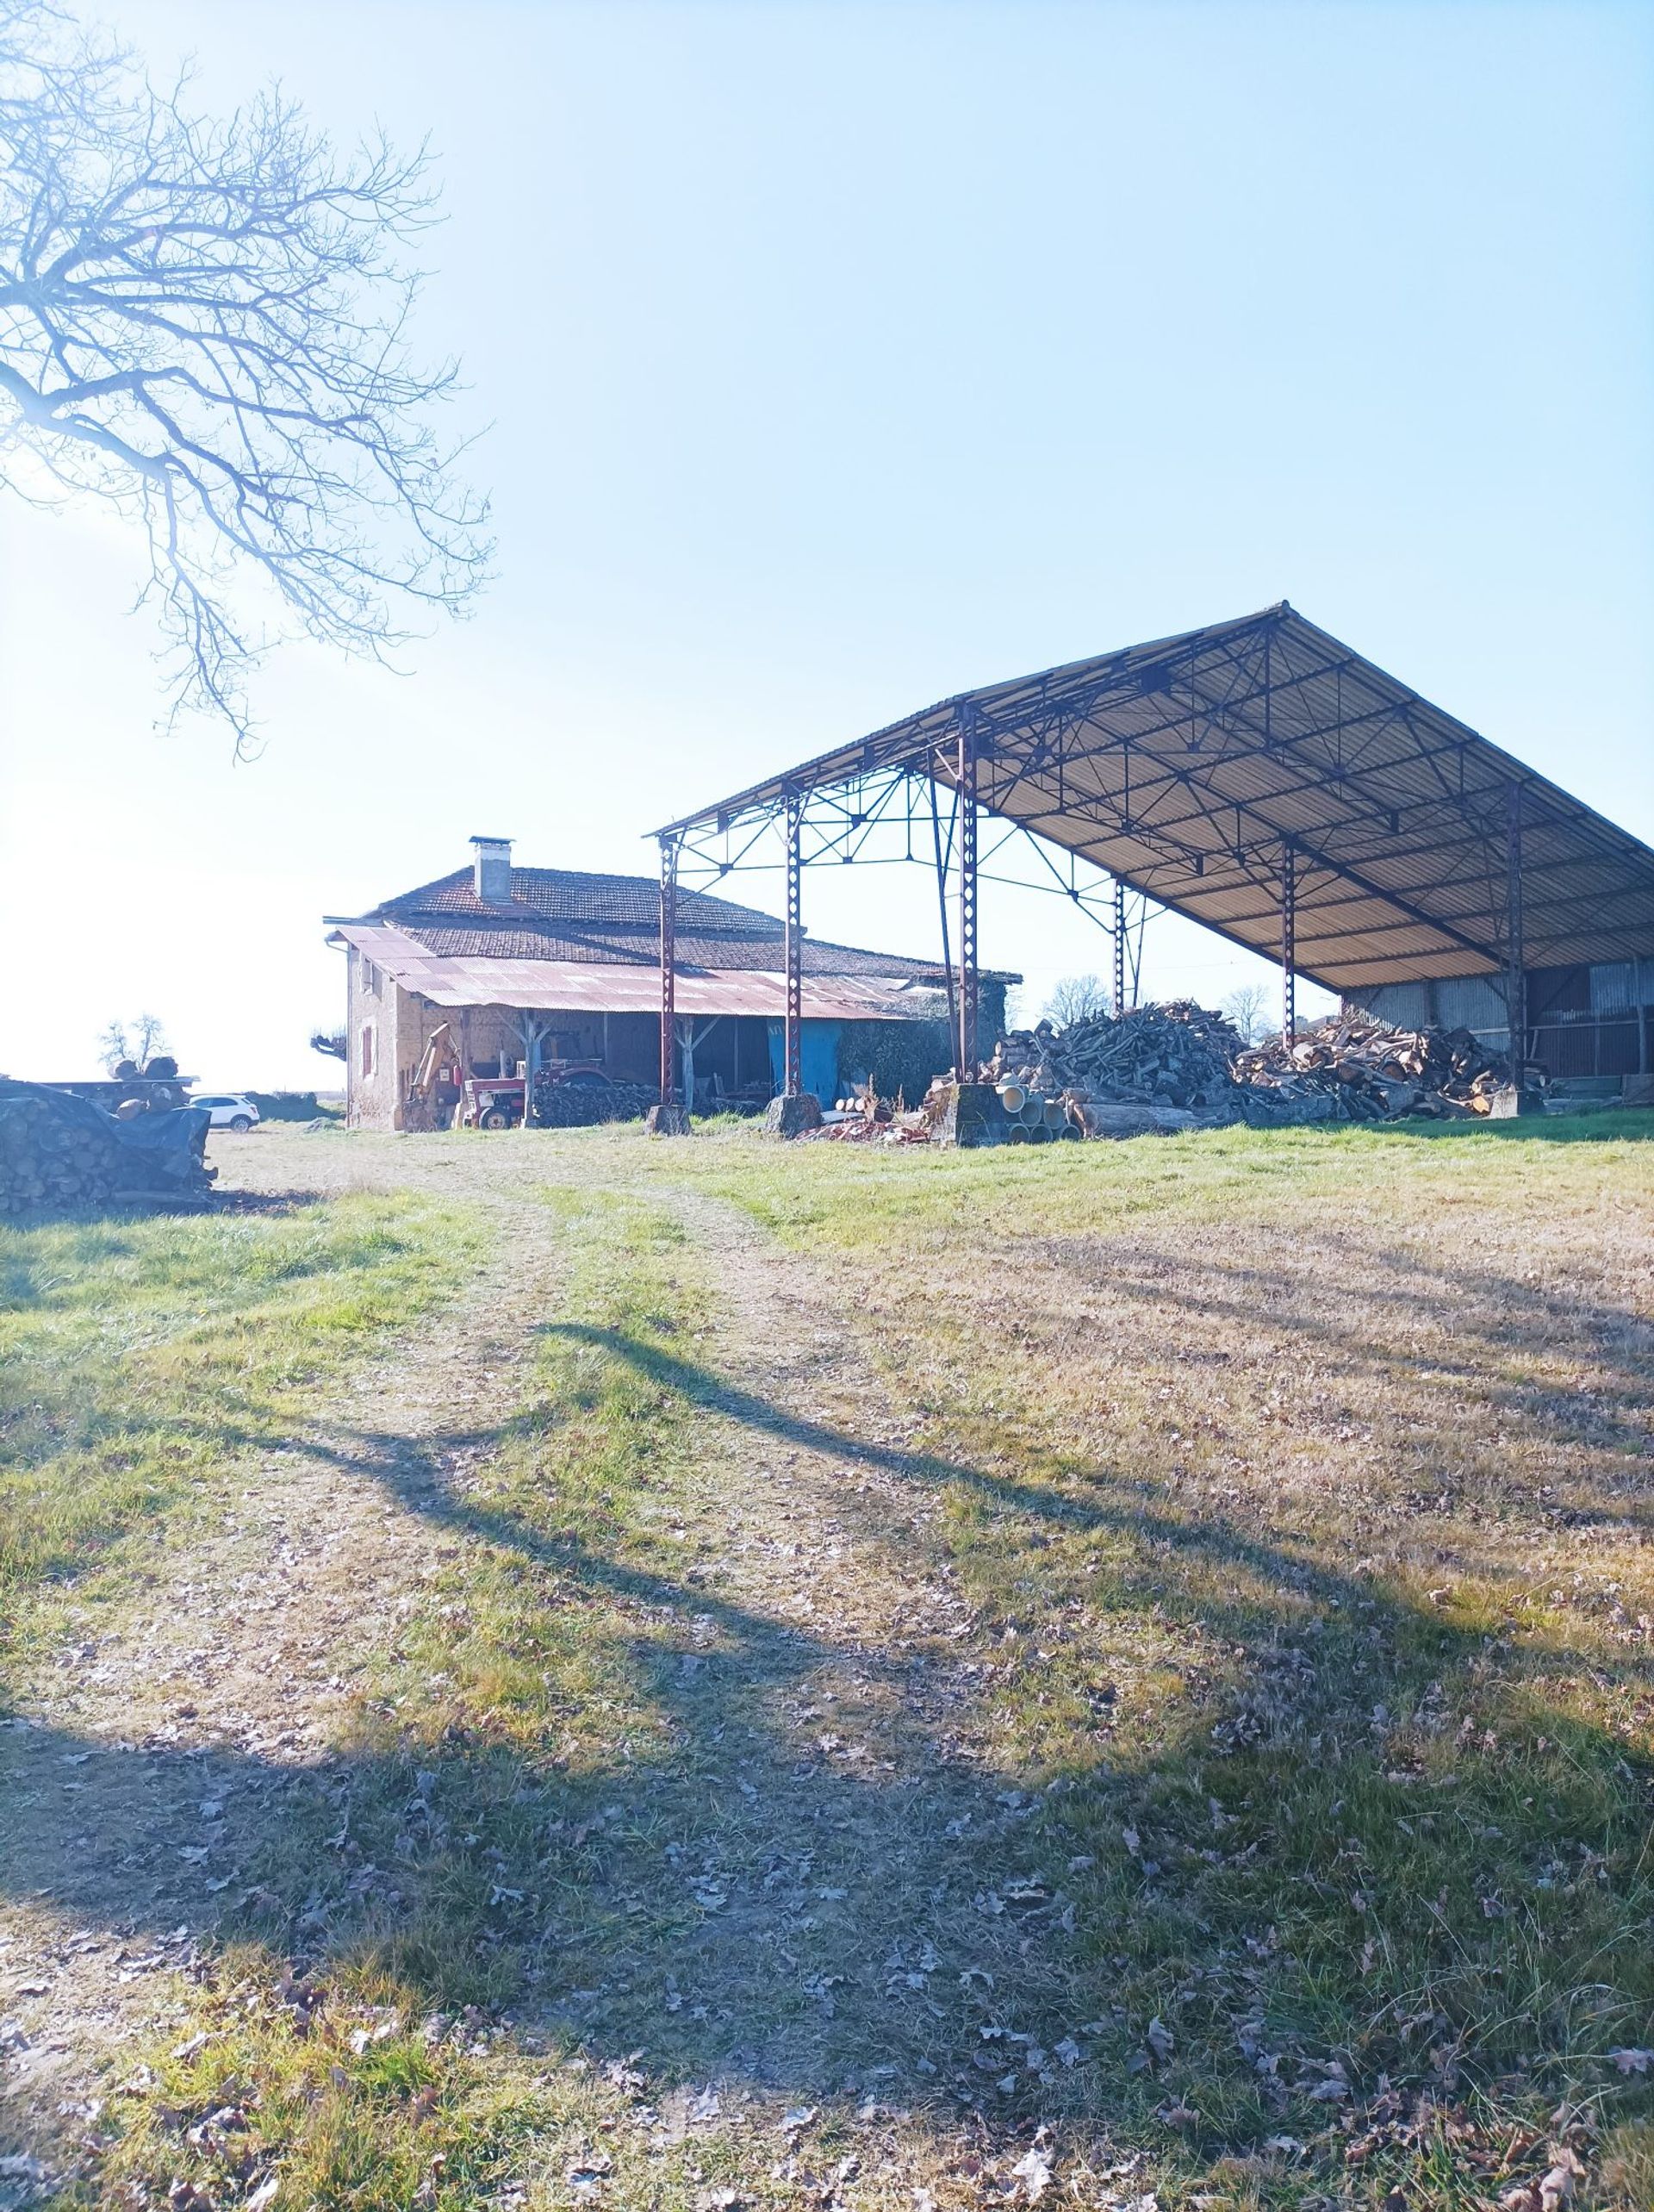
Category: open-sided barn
[1271,782]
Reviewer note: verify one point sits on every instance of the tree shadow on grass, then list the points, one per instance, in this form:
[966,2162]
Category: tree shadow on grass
[1615,1125]
[855,1910]
[793,1864]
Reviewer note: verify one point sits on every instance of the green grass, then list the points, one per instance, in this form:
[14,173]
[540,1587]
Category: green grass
[1324,1458]
[1292,1490]
[865,1196]
[141,1358]
[478,1773]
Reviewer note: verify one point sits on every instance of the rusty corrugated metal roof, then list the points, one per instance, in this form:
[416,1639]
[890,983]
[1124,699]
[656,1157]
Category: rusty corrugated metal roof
[590,987]
[610,944]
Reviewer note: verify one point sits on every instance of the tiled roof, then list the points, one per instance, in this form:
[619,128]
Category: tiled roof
[568,894]
[561,914]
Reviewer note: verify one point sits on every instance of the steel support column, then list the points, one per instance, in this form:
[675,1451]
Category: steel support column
[1516,964]
[942,904]
[969,977]
[669,970]
[793,1057]
[1289,943]
[1119,948]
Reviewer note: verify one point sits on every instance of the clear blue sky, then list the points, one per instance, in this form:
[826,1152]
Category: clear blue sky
[841,356]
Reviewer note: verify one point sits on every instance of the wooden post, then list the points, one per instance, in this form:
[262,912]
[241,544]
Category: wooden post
[465,1060]
[532,1035]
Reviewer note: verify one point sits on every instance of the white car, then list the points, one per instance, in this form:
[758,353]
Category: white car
[229,1110]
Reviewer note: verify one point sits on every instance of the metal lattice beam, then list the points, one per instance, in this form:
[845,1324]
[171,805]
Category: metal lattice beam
[792,1055]
[668,968]
[1289,943]
[969,976]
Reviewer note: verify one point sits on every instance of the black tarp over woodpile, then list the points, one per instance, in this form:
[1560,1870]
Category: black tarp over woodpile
[60,1154]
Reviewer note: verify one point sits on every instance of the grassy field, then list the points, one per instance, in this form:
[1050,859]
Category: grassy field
[142,1358]
[1116,1674]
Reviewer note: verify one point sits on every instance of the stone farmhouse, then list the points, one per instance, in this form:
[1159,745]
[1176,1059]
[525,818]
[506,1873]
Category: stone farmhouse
[493,953]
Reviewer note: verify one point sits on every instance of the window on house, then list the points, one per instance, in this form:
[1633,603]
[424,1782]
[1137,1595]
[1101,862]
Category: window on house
[367,1047]
[371,978]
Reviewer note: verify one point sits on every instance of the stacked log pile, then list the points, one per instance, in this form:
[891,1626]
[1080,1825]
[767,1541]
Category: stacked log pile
[1178,1055]
[864,1129]
[861,1117]
[1179,1067]
[59,1154]
[1371,1072]
[50,1162]
[582,1106]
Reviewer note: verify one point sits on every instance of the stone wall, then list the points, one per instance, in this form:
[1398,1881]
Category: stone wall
[371,1093]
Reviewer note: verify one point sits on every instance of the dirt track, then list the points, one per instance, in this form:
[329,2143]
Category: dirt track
[143,1768]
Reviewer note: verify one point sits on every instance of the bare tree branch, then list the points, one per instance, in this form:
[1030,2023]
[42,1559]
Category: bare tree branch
[1247,1008]
[205,323]
[1076,998]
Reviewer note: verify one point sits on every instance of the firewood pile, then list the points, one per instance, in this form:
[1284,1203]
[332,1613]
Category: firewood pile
[864,1129]
[59,1154]
[1375,1073]
[582,1106]
[1180,1066]
[1177,1055]
[862,1117]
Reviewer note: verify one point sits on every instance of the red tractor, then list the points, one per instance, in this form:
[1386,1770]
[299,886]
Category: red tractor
[490,1102]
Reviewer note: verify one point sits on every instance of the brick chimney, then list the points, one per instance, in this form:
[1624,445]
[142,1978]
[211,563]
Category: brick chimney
[491,870]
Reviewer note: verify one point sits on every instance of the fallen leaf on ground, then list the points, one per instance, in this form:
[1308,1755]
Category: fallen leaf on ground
[1034,2172]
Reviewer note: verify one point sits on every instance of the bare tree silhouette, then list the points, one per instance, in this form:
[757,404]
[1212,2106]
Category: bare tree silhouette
[134,1047]
[1247,1008]
[1077,997]
[204,323]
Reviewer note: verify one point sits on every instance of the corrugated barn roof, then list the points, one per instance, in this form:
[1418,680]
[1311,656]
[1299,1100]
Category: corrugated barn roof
[591,986]
[1189,766]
